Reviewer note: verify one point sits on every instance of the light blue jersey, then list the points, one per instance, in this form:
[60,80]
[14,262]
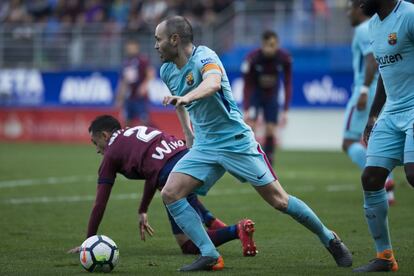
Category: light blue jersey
[223,142]
[217,121]
[355,120]
[391,142]
[392,41]
[360,49]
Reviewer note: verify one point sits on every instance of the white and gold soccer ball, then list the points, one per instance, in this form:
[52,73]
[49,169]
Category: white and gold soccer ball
[99,254]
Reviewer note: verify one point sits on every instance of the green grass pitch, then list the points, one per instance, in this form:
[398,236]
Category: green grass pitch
[47,191]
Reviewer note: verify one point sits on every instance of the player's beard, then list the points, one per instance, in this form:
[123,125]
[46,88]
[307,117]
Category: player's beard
[369,7]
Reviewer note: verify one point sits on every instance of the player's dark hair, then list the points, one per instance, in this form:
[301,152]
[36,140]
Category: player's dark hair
[268,35]
[104,123]
[181,26]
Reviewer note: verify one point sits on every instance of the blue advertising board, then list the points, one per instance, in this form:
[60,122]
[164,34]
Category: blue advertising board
[33,88]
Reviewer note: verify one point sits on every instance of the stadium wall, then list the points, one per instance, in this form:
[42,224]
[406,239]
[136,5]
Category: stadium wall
[58,106]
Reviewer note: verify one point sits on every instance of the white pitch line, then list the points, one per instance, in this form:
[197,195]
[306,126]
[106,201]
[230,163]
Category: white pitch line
[53,180]
[135,196]
[71,199]
[341,188]
[317,175]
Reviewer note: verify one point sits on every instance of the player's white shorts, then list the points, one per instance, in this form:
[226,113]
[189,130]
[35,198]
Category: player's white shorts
[209,166]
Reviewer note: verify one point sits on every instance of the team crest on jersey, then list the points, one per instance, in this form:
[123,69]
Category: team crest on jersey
[190,78]
[392,38]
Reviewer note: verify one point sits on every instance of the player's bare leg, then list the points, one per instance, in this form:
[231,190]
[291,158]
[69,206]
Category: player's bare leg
[276,196]
[409,173]
[174,194]
[270,140]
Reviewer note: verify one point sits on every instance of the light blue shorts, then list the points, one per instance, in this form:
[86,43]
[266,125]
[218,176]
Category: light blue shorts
[391,142]
[356,120]
[209,166]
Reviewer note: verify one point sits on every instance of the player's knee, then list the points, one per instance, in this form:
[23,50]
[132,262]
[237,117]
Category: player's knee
[373,180]
[168,195]
[283,204]
[280,202]
[345,146]
[368,179]
[346,143]
[410,178]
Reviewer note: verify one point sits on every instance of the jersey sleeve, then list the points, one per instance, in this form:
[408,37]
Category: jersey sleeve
[107,171]
[363,40]
[207,62]
[149,191]
[102,196]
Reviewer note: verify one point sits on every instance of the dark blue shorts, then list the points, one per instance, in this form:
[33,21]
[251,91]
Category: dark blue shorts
[269,107]
[136,109]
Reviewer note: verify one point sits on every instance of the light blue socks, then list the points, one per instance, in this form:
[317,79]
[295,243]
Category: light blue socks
[301,212]
[358,154]
[376,214]
[189,221]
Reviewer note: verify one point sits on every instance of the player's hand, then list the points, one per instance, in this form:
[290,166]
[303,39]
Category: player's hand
[283,119]
[74,250]
[144,226]
[175,100]
[362,101]
[368,130]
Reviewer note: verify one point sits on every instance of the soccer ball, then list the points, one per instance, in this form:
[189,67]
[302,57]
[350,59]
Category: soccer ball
[99,254]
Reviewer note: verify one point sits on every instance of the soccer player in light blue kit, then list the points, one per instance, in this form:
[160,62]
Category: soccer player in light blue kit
[221,142]
[365,83]
[391,141]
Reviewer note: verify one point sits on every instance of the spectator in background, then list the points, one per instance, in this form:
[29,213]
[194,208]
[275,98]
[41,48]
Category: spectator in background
[320,8]
[132,92]
[17,12]
[94,11]
[69,11]
[154,10]
[262,70]
[119,11]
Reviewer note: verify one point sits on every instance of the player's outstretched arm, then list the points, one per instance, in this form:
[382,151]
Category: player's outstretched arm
[379,101]
[102,195]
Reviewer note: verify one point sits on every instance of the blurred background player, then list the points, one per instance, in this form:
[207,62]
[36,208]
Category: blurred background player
[365,83]
[146,153]
[262,70]
[132,92]
[391,119]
